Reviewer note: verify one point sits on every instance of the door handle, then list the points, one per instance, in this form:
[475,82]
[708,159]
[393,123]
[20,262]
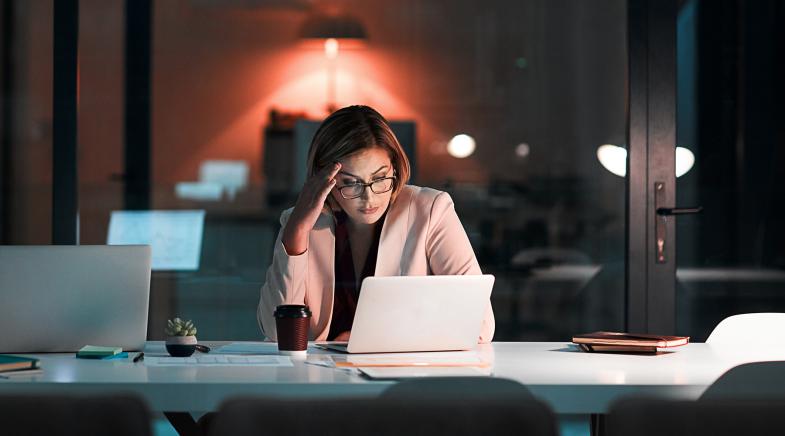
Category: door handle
[661,218]
[666,211]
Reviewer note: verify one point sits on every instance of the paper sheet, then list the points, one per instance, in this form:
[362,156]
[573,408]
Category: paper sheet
[419,372]
[435,359]
[330,364]
[248,348]
[218,360]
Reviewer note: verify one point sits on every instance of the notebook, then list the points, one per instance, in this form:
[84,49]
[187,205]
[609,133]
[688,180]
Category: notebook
[98,352]
[59,298]
[418,313]
[620,342]
[17,363]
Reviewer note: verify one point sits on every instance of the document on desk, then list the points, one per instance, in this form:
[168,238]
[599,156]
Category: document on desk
[431,359]
[266,348]
[399,372]
[218,360]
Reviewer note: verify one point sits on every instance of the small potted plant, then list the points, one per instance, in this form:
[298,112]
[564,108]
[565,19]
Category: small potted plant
[180,337]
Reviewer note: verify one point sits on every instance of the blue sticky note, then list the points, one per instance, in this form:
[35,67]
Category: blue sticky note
[121,355]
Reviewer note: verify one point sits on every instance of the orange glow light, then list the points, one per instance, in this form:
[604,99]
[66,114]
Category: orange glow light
[331,48]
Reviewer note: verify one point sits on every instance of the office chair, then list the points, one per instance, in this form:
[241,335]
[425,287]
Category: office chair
[447,410]
[61,415]
[749,329]
[753,381]
[458,387]
[650,417]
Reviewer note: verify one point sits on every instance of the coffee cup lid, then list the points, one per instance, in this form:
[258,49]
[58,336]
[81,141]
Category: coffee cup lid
[292,311]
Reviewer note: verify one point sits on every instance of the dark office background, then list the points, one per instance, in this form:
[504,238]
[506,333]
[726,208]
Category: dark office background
[539,85]
[737,91]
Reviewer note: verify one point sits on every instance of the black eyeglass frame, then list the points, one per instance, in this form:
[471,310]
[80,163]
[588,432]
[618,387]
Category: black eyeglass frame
[367,185]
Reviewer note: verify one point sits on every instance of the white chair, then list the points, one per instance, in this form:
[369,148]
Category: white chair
[749,329]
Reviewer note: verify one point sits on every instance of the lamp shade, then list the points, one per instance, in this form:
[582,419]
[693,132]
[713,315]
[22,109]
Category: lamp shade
[321,26]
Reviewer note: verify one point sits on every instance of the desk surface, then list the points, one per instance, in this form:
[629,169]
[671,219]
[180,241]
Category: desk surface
[569,381]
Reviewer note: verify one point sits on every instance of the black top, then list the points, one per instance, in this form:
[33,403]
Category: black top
[346,290]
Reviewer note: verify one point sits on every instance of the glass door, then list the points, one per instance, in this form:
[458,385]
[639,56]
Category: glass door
[731,257]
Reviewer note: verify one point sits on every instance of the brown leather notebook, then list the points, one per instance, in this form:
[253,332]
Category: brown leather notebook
[627,342]
[617,349]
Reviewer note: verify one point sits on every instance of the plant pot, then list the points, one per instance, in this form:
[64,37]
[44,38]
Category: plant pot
[181,346]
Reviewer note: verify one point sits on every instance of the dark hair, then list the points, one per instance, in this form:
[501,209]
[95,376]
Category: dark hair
[353,129]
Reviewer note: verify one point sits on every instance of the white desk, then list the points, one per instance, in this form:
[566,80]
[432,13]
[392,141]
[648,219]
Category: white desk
[569,381]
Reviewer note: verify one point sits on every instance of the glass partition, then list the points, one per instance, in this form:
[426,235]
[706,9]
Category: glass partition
[731,257]
[502,104]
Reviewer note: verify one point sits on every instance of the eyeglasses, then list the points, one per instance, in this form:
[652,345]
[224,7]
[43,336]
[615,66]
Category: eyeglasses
[378,186]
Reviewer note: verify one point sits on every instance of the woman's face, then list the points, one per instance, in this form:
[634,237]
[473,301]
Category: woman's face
[364,167]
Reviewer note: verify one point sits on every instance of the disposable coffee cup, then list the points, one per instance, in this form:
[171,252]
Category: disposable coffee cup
[291,323]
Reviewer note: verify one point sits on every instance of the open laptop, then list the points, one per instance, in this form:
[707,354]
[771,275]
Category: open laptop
[58,298]
[418,313]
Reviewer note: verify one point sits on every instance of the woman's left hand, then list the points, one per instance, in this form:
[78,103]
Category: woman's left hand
[343,337]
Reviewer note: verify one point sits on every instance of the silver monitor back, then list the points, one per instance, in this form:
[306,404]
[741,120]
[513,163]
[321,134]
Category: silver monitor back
[58,298]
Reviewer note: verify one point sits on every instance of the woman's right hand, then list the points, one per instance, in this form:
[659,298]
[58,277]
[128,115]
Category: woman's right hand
[306,211]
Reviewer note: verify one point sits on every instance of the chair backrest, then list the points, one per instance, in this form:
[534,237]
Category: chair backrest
[68,415]
[452,387]
[757,380]
[452,411]
[749,328]
[650,417]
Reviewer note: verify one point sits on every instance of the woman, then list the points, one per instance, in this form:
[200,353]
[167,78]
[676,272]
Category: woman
[356,217]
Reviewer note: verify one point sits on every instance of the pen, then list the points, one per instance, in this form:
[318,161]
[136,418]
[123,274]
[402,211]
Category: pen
[139,357]
[203,348]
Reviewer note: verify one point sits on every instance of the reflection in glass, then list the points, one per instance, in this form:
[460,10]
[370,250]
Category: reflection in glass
[731,257]
[523,92]
[175,236]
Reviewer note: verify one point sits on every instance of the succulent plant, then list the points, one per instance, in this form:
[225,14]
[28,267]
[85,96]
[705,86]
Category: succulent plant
[178,327]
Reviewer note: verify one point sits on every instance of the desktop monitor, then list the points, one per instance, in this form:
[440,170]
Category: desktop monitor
[305,129]
[286,154]
[175,235]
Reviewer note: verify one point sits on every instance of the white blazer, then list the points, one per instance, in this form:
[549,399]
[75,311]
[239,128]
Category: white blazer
[422,235]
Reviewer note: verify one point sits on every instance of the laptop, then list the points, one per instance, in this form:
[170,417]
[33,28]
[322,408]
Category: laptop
[58,298]
[418,313]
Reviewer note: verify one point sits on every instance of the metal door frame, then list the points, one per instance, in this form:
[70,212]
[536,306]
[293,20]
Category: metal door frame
[651,284]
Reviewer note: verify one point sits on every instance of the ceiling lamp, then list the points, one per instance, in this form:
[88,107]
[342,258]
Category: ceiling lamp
[614,159]
[332,29]
[461,146]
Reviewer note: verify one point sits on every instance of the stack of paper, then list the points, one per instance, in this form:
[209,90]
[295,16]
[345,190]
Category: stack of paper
[418,372]
[407,365]
[269,348]
[445,359]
